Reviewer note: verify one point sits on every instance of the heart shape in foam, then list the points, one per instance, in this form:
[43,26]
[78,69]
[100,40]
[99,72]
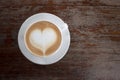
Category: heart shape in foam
[43,39]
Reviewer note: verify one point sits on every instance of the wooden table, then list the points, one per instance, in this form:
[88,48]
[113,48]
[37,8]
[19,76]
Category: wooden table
[94,53]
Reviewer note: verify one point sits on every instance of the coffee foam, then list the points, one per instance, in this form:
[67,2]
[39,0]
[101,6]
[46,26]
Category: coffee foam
[43,39]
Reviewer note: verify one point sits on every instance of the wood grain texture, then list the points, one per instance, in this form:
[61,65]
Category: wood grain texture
[94,53]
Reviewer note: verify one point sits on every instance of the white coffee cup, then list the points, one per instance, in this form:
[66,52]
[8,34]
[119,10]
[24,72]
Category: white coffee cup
[59,53]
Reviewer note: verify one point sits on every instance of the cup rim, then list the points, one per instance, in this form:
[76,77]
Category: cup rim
[59,53]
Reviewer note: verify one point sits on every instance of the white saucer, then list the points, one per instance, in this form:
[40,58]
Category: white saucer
[62,50]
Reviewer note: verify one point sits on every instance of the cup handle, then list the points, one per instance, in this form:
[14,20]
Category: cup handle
[65,29]
[66,26]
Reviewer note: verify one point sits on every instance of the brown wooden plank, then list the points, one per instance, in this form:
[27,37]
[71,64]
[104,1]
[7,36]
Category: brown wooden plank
[61,2]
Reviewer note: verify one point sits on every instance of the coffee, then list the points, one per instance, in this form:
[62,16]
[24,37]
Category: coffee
[42,38]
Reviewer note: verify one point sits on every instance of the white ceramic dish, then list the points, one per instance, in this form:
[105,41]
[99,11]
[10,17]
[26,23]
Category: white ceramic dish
[61,51]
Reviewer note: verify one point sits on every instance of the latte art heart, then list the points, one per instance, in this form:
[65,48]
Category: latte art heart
[43,39]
